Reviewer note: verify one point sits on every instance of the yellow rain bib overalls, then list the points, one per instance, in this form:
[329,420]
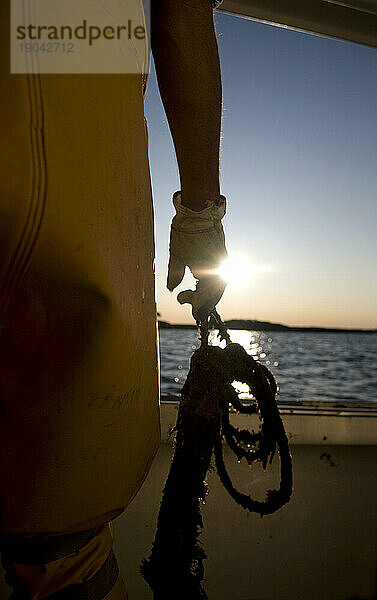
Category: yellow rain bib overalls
[78,354]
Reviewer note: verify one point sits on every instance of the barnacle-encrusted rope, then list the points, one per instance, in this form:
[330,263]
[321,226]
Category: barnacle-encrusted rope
[175,566]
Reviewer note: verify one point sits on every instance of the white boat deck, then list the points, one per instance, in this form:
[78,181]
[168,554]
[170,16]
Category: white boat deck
[321,546]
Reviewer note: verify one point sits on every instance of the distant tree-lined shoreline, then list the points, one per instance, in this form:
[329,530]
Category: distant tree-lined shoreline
[252,325]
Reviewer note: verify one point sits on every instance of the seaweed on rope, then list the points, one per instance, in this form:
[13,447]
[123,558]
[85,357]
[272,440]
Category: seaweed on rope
[175,566]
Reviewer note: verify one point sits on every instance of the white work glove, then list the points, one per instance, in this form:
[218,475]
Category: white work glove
[197,240]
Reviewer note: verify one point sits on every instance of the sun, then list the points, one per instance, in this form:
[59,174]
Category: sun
[236,269]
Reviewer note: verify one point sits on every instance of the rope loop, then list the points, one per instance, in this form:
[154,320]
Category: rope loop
[175,566]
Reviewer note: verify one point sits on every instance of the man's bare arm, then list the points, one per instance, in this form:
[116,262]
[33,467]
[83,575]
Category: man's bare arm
[186,56]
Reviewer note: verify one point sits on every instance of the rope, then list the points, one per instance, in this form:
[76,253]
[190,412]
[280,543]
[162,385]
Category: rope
[175,566]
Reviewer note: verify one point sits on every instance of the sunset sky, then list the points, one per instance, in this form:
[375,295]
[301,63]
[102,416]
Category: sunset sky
[299,157]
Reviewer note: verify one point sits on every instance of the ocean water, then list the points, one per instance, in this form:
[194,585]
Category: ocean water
[307,366]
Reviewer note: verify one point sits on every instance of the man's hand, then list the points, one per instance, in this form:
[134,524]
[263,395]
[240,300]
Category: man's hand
[188,71]
[197,241]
